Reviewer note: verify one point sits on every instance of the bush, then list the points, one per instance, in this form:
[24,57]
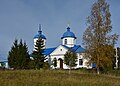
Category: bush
[46,66]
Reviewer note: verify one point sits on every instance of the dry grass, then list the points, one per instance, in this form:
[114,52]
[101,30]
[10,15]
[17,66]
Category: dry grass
[55,78]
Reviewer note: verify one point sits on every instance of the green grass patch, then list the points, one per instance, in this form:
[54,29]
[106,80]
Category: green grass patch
[55,78]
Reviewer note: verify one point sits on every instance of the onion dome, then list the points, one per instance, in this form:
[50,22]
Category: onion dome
[68,33]
[39,34]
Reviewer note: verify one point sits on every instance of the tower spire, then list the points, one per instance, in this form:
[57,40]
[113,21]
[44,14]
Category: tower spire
[40,27]
[40,31]
[68,24]
[68,28]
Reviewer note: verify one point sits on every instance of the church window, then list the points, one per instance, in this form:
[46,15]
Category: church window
[65,41]
[80,62]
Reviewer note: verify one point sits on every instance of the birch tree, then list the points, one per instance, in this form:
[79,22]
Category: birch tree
[97,38]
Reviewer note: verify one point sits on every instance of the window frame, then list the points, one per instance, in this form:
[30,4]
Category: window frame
[80,62]
[65,41]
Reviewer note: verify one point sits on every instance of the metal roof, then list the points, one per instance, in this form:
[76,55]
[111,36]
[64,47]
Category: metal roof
[76,48]
[48,51]
[39,35]
[68,33]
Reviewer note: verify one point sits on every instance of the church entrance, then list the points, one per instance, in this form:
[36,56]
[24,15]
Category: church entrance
[61,63]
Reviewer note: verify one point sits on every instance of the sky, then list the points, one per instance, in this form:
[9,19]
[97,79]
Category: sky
[20,19]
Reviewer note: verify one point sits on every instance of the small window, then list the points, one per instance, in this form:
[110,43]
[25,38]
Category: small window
[65,41]
[60,49]
[80,62]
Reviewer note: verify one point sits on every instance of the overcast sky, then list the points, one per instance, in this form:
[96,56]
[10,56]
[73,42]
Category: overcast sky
[20,18]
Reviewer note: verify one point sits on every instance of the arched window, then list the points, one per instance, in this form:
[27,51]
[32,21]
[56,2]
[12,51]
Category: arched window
[65,41]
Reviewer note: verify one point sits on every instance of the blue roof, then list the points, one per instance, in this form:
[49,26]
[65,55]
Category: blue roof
[93,64]
[76,48]
[80,50]
[48,51]
[68,33]
[39,35]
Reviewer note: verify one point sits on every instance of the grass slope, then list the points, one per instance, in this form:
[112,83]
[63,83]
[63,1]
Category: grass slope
[55,78]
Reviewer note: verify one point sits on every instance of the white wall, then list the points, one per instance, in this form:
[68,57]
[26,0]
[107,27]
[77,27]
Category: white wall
[70,41]
[58,53]
[85,62]
[58,61]
[60,50]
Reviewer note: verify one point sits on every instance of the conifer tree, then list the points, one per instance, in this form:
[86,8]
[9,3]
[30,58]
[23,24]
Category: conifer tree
[24,57]
[13,54]
[98,41]
[38,54]
[18,57]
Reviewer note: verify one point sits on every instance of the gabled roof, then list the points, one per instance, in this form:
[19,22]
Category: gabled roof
[76,48]
[80,50]
[66,47]
[48,51]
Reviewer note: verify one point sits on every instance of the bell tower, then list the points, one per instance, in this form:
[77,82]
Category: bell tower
[68,38]
[41,36]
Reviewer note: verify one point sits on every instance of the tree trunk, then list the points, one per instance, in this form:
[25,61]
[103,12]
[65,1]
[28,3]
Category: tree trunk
[69,70]
[69,66]
[98,71]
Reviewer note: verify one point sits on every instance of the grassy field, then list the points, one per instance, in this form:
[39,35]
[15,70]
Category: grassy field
[55,78]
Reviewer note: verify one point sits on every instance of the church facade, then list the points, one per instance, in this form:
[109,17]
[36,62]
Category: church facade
[68,42]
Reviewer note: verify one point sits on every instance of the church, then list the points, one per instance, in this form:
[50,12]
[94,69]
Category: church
[68,41]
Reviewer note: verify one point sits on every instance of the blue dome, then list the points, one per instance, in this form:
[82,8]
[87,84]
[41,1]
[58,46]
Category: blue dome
[68,33]
[39,35]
